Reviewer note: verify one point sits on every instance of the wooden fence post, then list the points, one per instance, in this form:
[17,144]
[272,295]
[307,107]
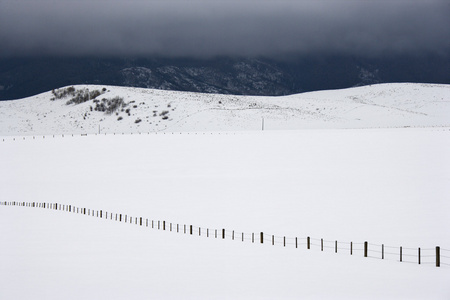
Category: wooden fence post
[190,229]
[232,235]
[335,246]
[223,233]
[253,237]
[321,244]
[273,240]
[164,225]
[366,246]
[101,213]
[199,231]
[262,238]
[140,221]
[308,243]
[438,256]
[401,254]
[284,241]
[296,243]
[419,256]
[382,251]
[351,248]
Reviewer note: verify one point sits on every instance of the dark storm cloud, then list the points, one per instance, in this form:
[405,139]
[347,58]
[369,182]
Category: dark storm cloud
[210,27]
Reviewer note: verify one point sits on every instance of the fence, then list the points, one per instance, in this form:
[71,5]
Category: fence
[430,256]
[34,137]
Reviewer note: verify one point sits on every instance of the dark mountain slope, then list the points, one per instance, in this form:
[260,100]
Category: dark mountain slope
[25,77]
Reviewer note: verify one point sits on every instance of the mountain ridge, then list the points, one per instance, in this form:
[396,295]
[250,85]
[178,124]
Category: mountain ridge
[21,78]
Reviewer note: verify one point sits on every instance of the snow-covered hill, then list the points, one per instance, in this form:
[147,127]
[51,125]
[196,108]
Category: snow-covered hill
[147,110]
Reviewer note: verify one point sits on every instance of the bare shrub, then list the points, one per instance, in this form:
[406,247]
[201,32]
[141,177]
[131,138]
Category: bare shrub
[63,93]
[114,104]
[82,96]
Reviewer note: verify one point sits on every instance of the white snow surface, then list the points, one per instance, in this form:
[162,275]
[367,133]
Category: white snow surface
[382,105]
[213,168]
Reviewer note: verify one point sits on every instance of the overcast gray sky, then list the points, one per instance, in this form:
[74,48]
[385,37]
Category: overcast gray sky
[211,27]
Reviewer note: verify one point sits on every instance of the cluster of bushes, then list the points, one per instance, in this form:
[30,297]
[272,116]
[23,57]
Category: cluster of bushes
[63,93]
[78,96]
[109,106]
[82,96]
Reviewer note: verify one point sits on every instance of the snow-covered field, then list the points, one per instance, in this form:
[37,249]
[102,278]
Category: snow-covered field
[383,185]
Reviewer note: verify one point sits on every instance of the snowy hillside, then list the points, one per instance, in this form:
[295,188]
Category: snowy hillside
[146,110]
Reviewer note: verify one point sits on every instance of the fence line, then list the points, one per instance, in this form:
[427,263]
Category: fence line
[44,136]
[437,256]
